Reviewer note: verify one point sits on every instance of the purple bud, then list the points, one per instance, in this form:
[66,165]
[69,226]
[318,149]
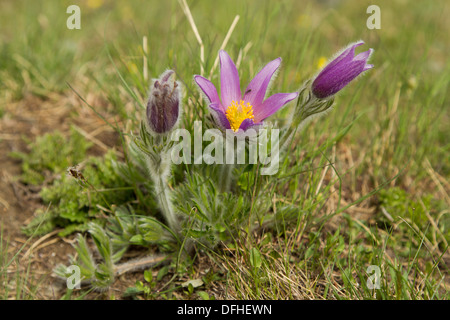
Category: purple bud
[163,106]
[341,71]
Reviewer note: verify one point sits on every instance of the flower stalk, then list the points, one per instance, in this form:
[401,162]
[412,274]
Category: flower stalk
[164,199]
[156,150]
[226,172]
[316,97]
[163,113]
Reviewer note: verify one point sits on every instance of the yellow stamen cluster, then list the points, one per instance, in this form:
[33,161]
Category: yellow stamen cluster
[238,112]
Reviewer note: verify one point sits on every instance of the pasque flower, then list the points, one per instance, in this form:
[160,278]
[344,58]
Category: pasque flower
[163,106]
[341,71]
[235,110]
[163,112]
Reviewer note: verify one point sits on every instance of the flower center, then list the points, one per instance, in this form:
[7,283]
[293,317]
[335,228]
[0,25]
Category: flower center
[238,112]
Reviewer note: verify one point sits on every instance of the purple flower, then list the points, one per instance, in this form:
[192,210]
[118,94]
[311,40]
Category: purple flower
[163,106]
[234,110]
[339,72]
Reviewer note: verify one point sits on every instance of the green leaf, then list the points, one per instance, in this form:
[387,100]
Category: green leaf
[203,295]
[139,286]
[148,276]
[136,239]
[162,272]
[132,291]
[195,283]
[255,258]
[190,288]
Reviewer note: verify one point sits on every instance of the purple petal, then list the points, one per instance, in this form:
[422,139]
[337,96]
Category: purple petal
[363,55]
[246,124]
[257,88]
[166,75]
[219,116]
[208,88]
[346,55]
[337,78]
[229,80]
[272,105]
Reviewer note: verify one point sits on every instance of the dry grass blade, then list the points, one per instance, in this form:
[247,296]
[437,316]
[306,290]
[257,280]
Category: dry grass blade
[38,242]
[188,14]
[437,180]
[144,61]
[224,44]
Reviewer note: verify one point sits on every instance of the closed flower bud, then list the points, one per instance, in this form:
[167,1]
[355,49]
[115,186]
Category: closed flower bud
[341,71]
[164,103]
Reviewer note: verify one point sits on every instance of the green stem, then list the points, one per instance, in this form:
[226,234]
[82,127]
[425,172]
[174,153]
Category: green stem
[225,177]
[295,125]
[162,189]
[159,171]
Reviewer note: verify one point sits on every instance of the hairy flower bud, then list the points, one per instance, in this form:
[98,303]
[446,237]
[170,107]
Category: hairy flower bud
[341,71]
[164,103]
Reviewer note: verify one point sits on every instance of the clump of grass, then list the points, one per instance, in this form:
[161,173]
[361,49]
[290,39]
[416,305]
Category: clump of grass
[17,280]
[423,213]
[337,267]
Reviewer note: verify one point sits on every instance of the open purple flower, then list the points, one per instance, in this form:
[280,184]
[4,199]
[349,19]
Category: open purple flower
[234,110]
[341,71]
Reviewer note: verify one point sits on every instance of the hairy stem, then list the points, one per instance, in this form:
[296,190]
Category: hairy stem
[139,264]
[159,172]
[297,123]
[163,194]
[225,177]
